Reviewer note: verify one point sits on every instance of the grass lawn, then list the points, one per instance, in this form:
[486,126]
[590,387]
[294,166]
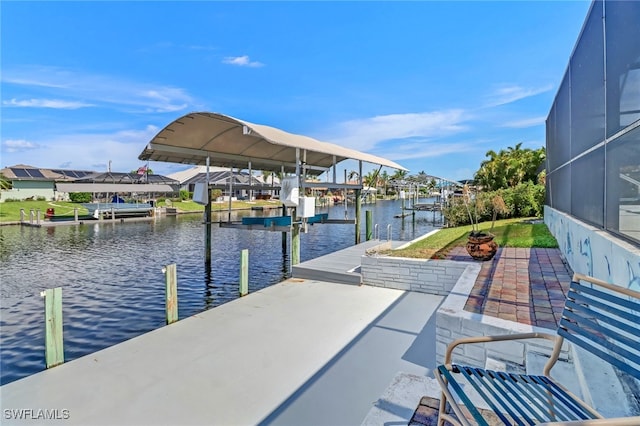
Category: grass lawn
[10,212]
[508,233]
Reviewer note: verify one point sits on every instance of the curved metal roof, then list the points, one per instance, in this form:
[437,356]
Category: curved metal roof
[230,142]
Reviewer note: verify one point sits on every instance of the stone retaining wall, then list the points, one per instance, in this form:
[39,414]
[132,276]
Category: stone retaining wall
[421,275]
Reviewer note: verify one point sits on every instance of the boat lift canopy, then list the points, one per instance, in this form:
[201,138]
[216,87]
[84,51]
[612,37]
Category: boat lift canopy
[212,139]
[230,142]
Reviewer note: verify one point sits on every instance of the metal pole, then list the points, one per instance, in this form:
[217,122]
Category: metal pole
[250,183]
[284,234]
[207,224]
[344,195]
[334,169]
[358,219]
[230,192]
[295,239]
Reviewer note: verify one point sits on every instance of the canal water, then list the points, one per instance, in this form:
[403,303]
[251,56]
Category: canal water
[112,279]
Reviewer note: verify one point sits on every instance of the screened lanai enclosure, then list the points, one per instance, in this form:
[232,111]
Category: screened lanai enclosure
[593,128]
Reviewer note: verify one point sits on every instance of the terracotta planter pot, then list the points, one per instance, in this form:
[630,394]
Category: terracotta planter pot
[482,247]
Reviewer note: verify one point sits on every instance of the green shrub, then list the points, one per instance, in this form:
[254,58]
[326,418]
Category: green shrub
[455,213]
[185,195]
[527,199]
[523,200]
[80,197]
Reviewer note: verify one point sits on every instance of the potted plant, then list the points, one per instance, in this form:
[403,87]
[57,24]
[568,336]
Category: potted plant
[480,244]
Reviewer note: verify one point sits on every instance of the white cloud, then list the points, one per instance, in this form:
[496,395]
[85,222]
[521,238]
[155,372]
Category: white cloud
[511,93]
[84,151]
[18,145]
[27,81]
[201,47]
[527,122]
[99,90]
[426,149]
[165,99]
[45,103]
[241,61]
[364,134]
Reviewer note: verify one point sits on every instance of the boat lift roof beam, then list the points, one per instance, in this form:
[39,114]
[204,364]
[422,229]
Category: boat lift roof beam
[193,156]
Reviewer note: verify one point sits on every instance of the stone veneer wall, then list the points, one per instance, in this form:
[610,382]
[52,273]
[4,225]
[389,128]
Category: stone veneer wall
[421,275]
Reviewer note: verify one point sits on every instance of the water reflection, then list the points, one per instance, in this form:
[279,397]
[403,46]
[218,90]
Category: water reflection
[111,274]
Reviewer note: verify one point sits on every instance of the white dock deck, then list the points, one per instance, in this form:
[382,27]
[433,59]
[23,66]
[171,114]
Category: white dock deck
[301,352]
[339,267]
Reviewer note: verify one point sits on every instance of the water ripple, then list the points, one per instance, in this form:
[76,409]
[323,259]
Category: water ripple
[112,280]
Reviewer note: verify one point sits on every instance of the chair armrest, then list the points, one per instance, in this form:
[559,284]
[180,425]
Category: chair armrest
[618,421]
[487,339]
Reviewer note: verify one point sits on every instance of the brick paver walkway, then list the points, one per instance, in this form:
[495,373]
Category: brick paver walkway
[524,285]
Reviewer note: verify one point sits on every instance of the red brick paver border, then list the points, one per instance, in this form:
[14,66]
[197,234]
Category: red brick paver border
[526,285]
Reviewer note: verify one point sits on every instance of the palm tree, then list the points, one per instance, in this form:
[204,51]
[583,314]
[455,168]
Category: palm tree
[384,181]
[509,167]
[422,177]
[5,183]
[399,175]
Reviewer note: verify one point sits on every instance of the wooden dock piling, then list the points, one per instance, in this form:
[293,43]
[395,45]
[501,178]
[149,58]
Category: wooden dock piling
[244,272]
[171,284]
[54,347]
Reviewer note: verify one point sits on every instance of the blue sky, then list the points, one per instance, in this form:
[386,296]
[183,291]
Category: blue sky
[431,85]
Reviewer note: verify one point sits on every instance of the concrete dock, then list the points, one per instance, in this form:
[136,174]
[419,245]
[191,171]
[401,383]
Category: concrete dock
[300,352]
[308,352]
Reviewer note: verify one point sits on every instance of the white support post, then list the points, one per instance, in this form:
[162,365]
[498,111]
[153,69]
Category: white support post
[250,183]
[230,191]
[334,169]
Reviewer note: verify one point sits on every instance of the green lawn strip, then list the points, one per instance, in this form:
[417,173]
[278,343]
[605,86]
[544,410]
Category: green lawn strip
[10,211]
[508,233]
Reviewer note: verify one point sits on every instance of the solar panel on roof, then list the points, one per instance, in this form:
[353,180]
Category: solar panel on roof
[35,173]
[20,173]
[71,173]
